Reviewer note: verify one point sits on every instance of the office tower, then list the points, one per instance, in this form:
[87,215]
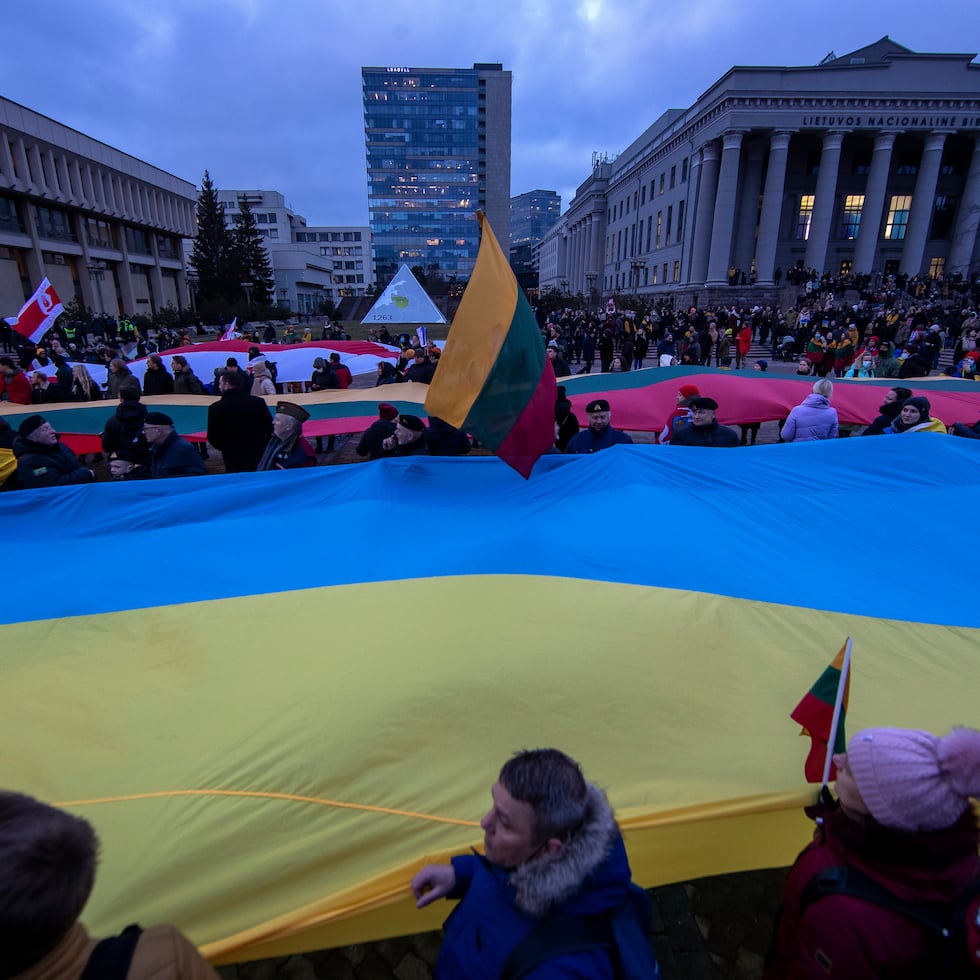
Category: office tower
[438,148]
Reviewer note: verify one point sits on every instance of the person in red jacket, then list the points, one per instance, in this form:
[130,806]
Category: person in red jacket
[744,344]
[14,384]
[903,820]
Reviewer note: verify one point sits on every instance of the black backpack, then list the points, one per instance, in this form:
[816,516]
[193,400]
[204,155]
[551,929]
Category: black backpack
[111,958]
[954,928]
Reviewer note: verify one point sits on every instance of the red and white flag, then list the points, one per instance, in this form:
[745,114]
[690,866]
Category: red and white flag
[232,332]
[38,314]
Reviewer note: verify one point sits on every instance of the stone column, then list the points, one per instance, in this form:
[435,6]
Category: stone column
[748,206]
[772,208]
[823,203]
[967,220]
[724,220]
[704,213]
[874,203]
[923,198]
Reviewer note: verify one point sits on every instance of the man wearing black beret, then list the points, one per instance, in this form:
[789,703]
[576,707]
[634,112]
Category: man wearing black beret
[600,434]
[704,429]
[408,439]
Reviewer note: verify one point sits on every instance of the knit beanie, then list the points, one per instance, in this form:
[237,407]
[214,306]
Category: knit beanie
[689,391]
[921,403]
[387,412]
[913,780]
[31,424]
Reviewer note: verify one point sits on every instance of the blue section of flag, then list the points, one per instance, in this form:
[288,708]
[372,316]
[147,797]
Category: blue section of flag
[736,523]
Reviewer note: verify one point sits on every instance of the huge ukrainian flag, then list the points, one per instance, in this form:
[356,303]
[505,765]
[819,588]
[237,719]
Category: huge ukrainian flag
[277,695]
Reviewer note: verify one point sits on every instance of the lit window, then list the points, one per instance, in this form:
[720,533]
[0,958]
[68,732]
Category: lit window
[898,217]
[851,225]
[805,217]
[936,267]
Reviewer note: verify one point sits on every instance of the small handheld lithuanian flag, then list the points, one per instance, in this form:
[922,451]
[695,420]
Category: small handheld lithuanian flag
[494,379]
[821,713]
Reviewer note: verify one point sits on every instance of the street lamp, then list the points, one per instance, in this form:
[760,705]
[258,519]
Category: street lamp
[247,286]
[635,266]
[564,286]
[590,278]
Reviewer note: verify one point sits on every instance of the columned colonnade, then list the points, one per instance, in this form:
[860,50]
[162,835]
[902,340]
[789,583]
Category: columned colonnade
[730,174]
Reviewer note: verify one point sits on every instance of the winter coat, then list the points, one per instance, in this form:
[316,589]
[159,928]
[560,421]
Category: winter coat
[689,434]
[48,466]
[116,381]
[162,953]
[158,382]
[17,388]
[175,457]
[852,939]
[814,419]
[590,875]
[125,431]
[239,426]
[188,383]
[588,441]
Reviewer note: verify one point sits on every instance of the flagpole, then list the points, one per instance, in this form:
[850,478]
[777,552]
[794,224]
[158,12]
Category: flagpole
[838,701]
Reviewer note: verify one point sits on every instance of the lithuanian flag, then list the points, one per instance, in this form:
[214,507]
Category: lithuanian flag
[494,379]
[816,714]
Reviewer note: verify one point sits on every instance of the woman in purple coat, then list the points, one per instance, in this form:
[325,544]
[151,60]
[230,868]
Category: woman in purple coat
[814,418]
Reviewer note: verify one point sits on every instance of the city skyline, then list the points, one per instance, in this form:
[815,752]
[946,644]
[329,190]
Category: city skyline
[269,95]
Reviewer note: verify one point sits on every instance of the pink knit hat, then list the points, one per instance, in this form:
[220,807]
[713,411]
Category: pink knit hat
[913,780]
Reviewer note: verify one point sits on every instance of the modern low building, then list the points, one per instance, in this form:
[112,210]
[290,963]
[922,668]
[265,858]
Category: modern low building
[310,264]
[866,163]
[438,149]
[104,227]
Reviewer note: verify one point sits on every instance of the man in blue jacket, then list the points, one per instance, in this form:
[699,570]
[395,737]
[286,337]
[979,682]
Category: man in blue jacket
[600,434]
[551,897]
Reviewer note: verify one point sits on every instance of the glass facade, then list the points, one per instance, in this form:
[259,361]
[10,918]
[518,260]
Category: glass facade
[426,159]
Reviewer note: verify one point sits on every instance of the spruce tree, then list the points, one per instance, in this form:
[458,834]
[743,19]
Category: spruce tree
[209,256]
[249,258]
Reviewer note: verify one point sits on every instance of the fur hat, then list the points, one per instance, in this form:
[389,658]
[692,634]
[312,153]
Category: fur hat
[913,780]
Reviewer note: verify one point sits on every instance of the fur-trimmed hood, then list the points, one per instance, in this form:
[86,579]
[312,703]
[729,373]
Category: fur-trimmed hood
[551,880]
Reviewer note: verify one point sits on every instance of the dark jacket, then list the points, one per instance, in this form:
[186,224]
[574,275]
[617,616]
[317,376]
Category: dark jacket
[704,435]
[888,415]
[48,466]
[444,439]
[239,425]
[125,431]
[188,383]
[175,457]
[373,436]
[158,382]
[588,441]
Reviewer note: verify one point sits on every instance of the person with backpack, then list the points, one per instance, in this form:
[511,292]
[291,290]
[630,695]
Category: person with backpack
[890,885]
[551,896]
[48,860]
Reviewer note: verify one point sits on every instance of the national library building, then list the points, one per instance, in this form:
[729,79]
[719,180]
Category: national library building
[867,163]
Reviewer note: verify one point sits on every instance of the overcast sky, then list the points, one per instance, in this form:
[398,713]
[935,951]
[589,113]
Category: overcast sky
[266,94]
